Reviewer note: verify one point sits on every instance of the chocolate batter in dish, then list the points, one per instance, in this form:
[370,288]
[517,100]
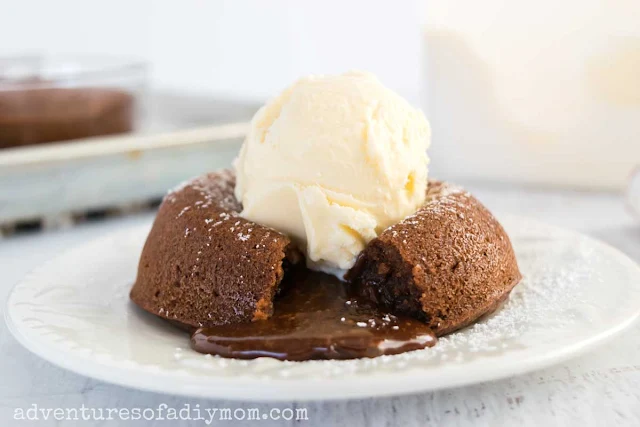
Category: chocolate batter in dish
[32,115]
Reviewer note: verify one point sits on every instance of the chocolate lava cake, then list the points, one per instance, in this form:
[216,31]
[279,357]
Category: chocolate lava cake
[204,266]
[447,265]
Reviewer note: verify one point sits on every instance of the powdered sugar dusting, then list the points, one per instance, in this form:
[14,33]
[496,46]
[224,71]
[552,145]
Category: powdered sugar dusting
[214,190]
[440,199]
[548,301]
[575,292]
[550,297]
[445,197]
[211,213]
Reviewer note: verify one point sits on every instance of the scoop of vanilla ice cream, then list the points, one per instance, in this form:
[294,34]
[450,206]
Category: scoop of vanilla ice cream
[331,162]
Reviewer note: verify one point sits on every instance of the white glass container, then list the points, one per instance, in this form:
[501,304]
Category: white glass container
[544,92]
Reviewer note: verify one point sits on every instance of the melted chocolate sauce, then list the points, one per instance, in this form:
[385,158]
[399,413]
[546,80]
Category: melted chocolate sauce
[317,317]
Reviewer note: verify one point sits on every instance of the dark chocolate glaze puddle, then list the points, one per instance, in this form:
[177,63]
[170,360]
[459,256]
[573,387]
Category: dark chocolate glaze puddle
[317,317]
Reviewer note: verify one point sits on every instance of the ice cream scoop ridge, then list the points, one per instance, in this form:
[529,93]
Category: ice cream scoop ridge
[332,162]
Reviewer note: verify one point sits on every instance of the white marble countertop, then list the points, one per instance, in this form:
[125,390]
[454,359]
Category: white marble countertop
[599,388]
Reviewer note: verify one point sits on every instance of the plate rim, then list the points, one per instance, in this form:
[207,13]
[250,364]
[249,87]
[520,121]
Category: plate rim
[383,384]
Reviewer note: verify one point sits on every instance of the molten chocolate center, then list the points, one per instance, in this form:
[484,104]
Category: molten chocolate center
[317,317]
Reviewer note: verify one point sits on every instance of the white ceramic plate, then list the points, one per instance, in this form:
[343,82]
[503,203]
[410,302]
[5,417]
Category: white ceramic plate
[74,312]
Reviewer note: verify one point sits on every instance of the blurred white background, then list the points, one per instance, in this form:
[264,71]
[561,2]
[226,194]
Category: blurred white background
[544,92]
[249,49]
[540,92]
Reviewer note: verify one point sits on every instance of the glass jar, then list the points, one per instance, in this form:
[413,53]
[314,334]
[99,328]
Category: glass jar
[542,92]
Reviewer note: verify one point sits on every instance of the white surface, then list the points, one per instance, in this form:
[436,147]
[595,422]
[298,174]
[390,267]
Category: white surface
[599,388]
[75,312]
[247,48]
[539,92]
